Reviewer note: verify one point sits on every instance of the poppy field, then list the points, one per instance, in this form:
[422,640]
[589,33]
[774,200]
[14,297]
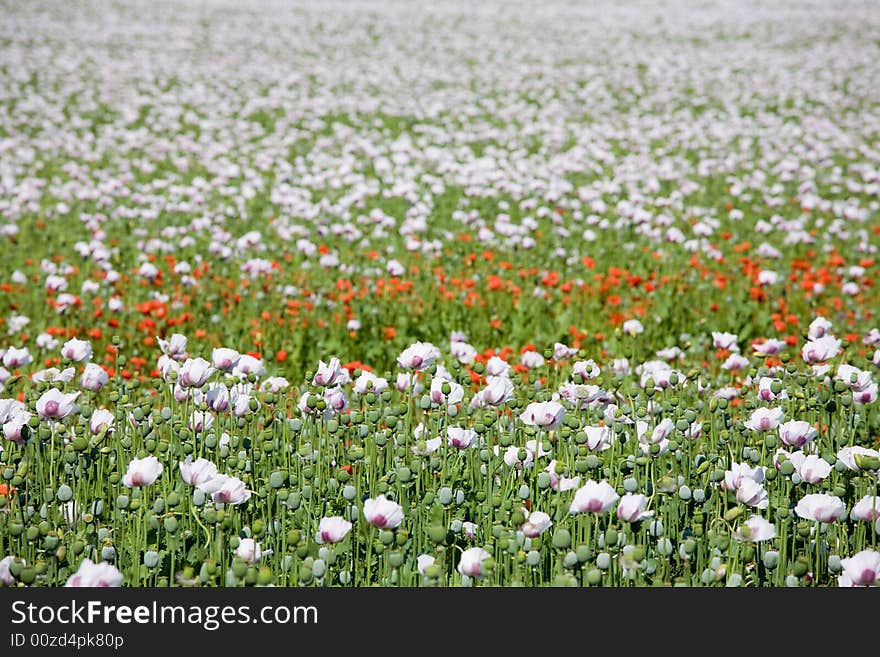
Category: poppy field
[529,294]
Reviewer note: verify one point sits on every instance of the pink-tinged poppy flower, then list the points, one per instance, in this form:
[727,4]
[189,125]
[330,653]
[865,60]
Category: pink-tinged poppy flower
[336,400]
[558,482]
[751,493]
[383,513]
[225,359]
[77,350]
[537,522]
[769,347]
[670,354]
[532,360]
[95,575]
[101,420]
[332,529]
[861,569]
[598,438]
[405,381]
[463,352]
[231,490]
[424,562]
[812,469]
[454,396]
[820,507]
[198,472]
[16,358]
[461,438]
[547,415]
[820,349]
[217,398]
[194,373]
[620,366]
[594,497]
[866,509]
[53,375]
[735,362]
[55,405]
[6,577]
[241,405]
[200,421]
[632,508]
[739,472]
[496,366]
[797,433]
[142,472]
[419,356]
[867,395]
[756,529]
[765,389]
[174,347]
[563,352]
[694,431]
[94,378]
[857,458]
[853,377]
[13,426]
[249,551]
[471,562]
[248,365]
[662,431]
[328,373]
[728,341]
[274,384]
[818,328]
[585,370]
[512,457]
[764,419]
[498,390]
[632,327]
[369,382]
[581,396]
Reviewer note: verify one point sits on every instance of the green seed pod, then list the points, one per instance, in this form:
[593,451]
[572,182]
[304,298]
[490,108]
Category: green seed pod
[771,559]
[27,575]
[65,493]
[584,553]
[562,539]
[239,568]
[171,525]
[437,533]
[151,558]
